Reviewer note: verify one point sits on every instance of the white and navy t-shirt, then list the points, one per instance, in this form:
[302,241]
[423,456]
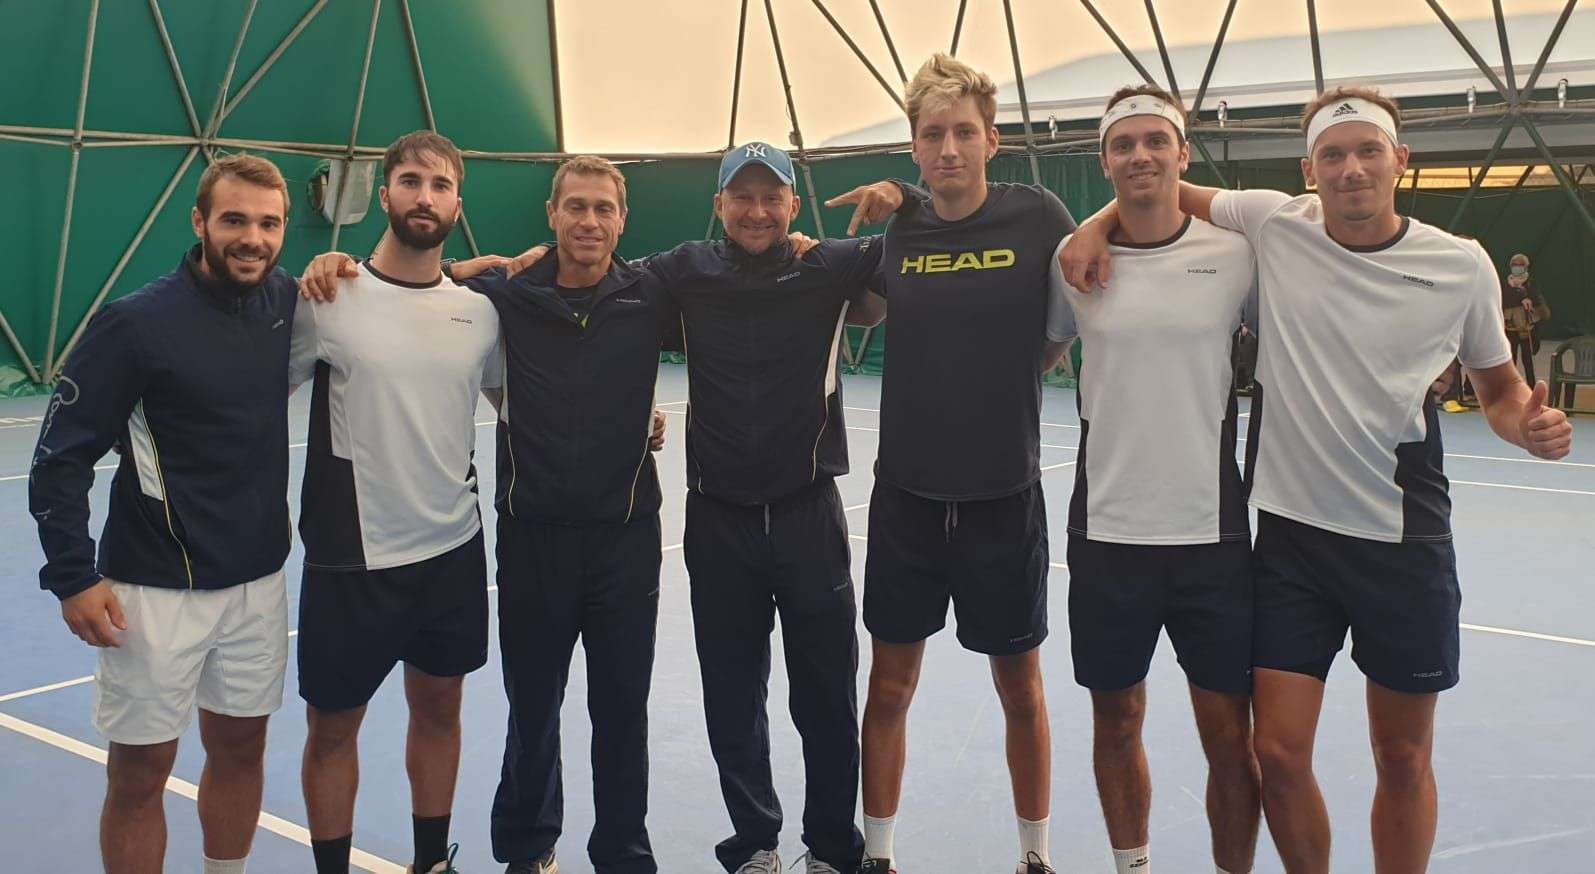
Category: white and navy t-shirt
[1156,464]
[1343,433]
[389,478]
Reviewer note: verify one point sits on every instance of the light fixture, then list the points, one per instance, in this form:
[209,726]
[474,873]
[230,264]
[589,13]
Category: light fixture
[1473,98]
[1561,94]
[1052,124]
[1223,112]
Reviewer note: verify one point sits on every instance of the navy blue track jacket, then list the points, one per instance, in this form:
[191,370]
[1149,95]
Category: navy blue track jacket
[188,378]
[578,394]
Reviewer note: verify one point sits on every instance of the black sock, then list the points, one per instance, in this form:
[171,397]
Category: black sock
[332,857]
[431,840]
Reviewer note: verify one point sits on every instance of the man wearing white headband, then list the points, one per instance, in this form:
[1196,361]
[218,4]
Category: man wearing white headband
[1158,532]
[1360,307]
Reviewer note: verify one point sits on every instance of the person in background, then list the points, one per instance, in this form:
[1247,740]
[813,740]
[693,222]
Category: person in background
[1524,308]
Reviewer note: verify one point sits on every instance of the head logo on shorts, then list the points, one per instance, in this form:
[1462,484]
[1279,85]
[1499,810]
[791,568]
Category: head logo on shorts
[946,262]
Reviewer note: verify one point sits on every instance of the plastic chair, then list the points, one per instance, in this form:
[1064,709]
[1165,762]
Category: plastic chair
[1582,371]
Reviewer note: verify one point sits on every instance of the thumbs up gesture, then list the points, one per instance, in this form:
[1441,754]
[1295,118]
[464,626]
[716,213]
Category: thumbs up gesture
[1545,430]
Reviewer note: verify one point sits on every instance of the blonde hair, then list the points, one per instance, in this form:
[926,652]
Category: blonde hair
[245,168]
[1341,92]
[589,165]
[944,80]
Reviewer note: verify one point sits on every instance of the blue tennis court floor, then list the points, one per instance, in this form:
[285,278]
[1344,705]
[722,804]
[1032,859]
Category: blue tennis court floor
[1514,755]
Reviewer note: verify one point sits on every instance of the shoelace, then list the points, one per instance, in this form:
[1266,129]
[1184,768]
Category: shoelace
[448,863]
[1034,864]
[808,859]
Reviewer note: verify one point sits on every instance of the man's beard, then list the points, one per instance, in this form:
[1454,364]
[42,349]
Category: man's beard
[216,260]
[420,240]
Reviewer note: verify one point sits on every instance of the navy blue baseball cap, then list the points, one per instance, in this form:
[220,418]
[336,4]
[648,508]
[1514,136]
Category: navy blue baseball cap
[735,159]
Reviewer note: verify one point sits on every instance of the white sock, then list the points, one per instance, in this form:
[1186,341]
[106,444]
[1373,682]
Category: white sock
[225,866]
[1222,871]
[1136,861]
[1033,839]
[878,836]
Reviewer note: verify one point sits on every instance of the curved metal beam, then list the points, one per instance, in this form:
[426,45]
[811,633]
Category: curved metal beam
[859,53]
[797,130]
[1024,103]
[354,127]
[71,188]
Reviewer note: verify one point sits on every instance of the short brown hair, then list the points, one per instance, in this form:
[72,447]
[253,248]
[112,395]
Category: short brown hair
[245,168]
[413,145]
[1149,90]
[944,80]
[589,165]
[1341,92]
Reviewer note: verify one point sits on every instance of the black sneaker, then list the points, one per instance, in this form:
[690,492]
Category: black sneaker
[876,866]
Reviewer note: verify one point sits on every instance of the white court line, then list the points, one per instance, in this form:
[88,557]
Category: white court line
[64,684]
[277,825]
[1534,635]
[1463,482]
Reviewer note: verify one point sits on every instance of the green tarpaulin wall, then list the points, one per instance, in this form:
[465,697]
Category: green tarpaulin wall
[490,76]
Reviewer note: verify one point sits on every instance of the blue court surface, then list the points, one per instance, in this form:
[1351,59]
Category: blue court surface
[1514,754]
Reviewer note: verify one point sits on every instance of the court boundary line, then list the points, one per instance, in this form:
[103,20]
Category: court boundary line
[270,822]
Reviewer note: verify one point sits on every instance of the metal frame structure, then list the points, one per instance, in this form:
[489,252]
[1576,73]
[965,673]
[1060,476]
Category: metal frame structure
[1519,109]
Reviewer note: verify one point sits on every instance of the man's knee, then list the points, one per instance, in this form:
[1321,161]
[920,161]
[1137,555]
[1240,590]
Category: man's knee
[435,703]
[138,773]
[1117,716]
[330,733]
[1402,763]
[1019,686]
[890,693]
[236,741]
[1283,760]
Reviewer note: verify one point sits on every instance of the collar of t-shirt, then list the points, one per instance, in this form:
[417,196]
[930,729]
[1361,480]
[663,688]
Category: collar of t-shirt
[399,282]
[1379,247]
[580,300]
[1167,241]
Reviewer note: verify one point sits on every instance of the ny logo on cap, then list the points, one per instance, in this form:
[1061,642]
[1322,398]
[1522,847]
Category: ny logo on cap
[756,150]
[1345,109]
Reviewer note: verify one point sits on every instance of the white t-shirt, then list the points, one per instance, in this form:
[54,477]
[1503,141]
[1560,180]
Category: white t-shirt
[1349,340]
[389,478]
[1156,464]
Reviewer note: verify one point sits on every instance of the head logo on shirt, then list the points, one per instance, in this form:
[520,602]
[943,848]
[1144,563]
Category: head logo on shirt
[948,262]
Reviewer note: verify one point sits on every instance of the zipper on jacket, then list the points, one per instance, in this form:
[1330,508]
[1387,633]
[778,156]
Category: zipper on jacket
[166,500]
[631,502]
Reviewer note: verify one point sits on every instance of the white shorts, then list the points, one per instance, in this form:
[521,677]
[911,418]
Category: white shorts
[227,649]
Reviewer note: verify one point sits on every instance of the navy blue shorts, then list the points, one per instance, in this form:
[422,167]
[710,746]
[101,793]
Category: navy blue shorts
[988,557]
[1122,595]
[354,626]
[1401,602]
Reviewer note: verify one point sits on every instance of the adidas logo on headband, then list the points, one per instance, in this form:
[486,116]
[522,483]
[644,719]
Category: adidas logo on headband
[1352,109]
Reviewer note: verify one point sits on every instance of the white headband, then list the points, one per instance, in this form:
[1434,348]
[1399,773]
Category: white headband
[1140,105]
[1350,109]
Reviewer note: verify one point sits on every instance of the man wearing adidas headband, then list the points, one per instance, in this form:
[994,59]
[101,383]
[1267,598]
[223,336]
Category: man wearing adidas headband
[1158,532]
[1360,307]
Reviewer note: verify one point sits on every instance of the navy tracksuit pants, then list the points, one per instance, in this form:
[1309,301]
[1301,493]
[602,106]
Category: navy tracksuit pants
[748,564]
[558,583]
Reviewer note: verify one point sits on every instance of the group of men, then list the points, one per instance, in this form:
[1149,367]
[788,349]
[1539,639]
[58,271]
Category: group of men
[187,597]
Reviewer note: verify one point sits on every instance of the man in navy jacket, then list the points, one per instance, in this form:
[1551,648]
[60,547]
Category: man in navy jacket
[186,601]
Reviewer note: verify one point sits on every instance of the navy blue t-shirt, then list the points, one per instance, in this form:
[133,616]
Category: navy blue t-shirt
[961,397]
